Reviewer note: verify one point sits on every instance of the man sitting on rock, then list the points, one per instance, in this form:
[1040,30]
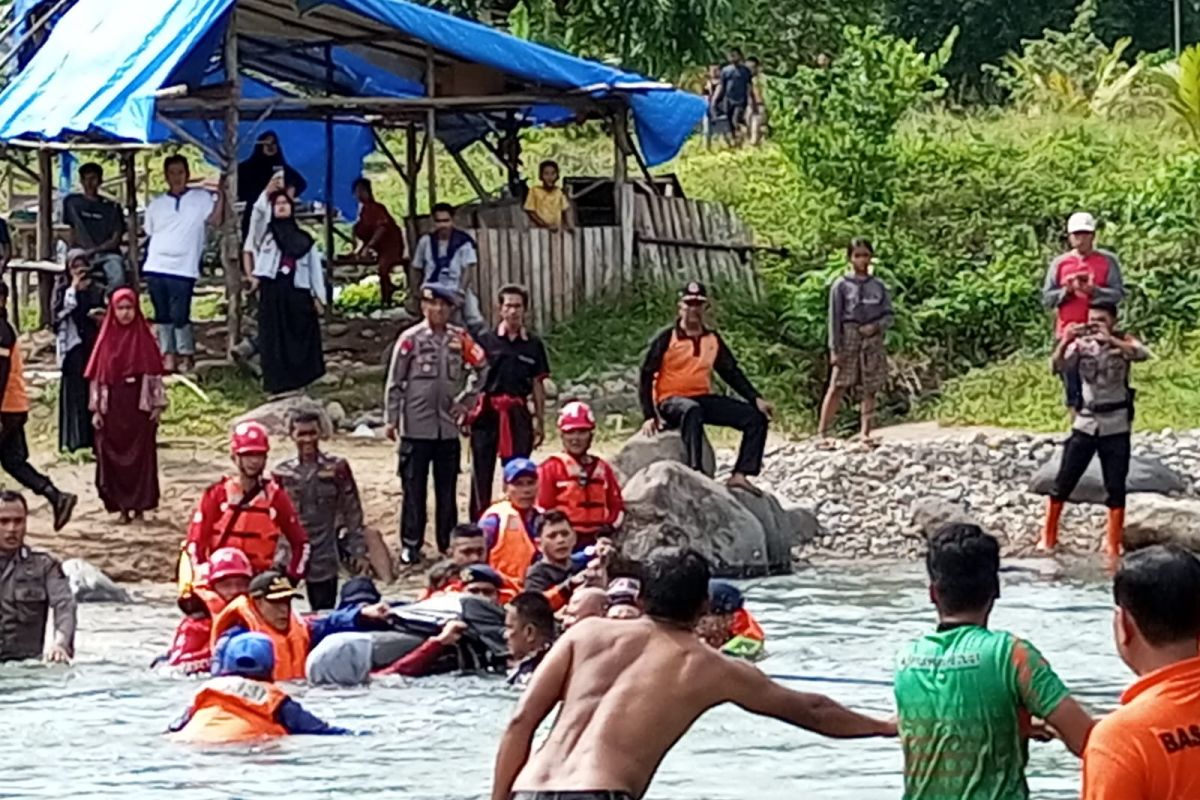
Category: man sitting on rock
[1102,356]
[676,389]
[728,626]
[582,485]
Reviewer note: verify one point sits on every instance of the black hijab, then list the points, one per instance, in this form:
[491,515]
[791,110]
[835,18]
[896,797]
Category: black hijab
[255,172]
[292,242]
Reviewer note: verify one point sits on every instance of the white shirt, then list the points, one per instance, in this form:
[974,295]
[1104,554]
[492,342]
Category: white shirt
[177,227]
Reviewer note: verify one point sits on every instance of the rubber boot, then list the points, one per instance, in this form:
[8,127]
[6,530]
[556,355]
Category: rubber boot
[1113,535]
[1049,540]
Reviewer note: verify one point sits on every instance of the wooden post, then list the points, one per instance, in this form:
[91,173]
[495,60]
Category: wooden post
[621,197]
[413,231]
[231,250]
[133,229]
[430,126]
[327,200]
[45,237]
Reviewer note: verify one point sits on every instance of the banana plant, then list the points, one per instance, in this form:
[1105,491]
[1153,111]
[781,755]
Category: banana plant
[1181,81]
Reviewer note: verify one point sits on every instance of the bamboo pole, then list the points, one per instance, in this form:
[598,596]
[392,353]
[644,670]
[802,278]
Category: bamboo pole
[327,200]
[129,161]
[231,249]
[431,126]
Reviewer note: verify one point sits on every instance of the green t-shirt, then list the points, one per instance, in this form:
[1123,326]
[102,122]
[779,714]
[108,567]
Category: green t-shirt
[964,696]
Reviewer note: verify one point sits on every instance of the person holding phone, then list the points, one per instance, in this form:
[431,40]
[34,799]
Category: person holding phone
[78,306]
[1076,279]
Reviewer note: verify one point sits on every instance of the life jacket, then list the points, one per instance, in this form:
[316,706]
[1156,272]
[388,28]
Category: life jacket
[233,709]
[291,646]
[253,528]
[508,590]
[744,624]
[583,498]
[190,646]
[514,550]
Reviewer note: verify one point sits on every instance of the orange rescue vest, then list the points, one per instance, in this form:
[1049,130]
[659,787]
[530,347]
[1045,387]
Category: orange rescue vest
[583,498]
[16,396]
[254,531]
[233,709]
[744,624]
[514,550]
[291,646]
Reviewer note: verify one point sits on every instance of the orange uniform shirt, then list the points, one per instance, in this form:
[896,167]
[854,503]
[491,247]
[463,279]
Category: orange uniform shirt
[16,397]
[1149,748]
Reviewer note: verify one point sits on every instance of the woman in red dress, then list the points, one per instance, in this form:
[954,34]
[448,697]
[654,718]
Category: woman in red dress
[127,398]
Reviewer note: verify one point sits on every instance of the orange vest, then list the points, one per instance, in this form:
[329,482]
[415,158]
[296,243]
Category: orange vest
[508,591]
[744,624]
[16,397]
[687,367]
[291,646]
[582,498]
[233,709]
[514,550]
[255,532]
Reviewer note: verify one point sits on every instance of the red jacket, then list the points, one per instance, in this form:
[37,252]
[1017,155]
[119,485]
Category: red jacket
[189,647]
[203,534]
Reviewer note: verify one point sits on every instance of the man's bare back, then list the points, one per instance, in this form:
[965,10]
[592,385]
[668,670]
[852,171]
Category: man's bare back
[629,690]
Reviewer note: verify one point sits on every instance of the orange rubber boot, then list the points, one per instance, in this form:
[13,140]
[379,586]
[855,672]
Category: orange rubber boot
[1114,534]
[1049,539]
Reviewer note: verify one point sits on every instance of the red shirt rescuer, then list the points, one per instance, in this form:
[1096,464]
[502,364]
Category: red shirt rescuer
[581,485]
[247,511]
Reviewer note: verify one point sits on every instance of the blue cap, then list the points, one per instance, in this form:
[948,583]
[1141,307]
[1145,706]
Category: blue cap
[251,655]
[724,597]
[480,573]
[360,590]
[518,467]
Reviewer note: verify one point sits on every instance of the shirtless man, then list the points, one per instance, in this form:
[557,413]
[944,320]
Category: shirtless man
[631,688]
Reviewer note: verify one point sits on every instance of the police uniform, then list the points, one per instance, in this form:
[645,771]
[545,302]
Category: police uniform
[31,583]
[434,375]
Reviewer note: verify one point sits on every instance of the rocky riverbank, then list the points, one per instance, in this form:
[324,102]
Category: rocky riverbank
[879,501]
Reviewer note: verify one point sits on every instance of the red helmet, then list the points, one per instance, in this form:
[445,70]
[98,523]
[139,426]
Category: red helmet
[249,437]
[576,416]
[227,562]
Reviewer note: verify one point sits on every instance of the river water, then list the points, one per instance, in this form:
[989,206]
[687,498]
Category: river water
[93,730]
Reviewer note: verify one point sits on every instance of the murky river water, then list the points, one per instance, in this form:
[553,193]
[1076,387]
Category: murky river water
[94,730]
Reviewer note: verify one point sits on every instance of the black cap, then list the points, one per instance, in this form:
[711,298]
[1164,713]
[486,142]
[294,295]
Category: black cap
[693,290]
[480,573]
[359,591]
[272,585]
[724,597]
[438,291]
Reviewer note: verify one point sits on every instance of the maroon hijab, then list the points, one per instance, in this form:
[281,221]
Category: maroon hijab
[123,351]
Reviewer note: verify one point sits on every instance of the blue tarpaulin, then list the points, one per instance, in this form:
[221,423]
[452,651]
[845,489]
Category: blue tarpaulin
[100,70]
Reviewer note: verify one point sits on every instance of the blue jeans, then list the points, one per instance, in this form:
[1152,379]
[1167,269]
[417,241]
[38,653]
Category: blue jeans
[172,300]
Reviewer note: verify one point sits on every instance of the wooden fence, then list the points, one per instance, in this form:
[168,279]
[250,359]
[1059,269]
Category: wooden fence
[662,241]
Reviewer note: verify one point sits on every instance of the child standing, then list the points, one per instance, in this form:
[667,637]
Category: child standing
[860,311]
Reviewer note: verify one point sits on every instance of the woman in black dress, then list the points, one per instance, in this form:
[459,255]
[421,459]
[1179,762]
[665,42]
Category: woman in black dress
[78,306]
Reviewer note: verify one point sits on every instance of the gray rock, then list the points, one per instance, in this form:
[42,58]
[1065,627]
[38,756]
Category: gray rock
[274,415]
[336,329]
[551,389]
[90,585]
[784,528]
[1154,519]
[1146,474]
[930,514]
[336,413]
[641,451]
[668,504]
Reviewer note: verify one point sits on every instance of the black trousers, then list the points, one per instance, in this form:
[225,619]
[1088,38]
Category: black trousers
[14,456]
[485,445]
[1114,465]
[416,458]
[322,595]
[691,414]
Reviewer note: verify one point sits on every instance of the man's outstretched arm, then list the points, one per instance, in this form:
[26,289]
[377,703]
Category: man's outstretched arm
[543,694]
[752,690]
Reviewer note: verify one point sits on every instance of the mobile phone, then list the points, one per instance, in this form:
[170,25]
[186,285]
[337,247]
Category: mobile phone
[279,173]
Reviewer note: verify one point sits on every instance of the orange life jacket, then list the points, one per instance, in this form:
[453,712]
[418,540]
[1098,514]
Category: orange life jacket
[255,531]
[514,550]
[744,624]
[291,646]
[583,498]
[508,590]
[233,709]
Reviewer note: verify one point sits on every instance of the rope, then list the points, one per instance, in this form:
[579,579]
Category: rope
[832,679]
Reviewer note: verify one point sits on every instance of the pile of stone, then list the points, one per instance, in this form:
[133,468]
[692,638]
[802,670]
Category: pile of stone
[610,394]
[883,501]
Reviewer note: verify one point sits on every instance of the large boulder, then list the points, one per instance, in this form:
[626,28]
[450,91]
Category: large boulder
[642,451]
[929,514]
[90,585]
[1146,474]
[785,528]
[274,414]
[667,504]
[1154,519]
